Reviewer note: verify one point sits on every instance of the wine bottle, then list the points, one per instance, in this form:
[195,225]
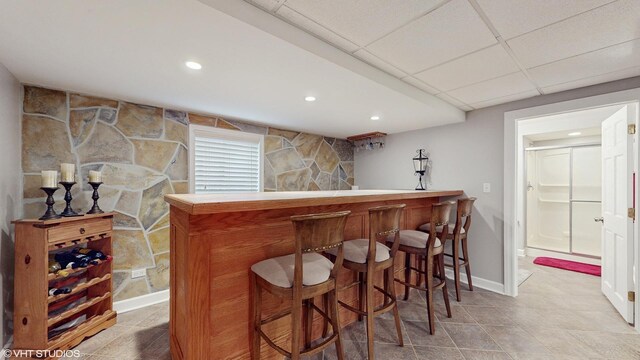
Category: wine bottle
[59,291]
[69,260]
[54,266]
[93,254]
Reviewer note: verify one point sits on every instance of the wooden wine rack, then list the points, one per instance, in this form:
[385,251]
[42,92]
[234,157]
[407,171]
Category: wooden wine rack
[32,319]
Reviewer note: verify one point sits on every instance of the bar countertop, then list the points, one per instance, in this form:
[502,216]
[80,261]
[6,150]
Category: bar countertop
[198,204]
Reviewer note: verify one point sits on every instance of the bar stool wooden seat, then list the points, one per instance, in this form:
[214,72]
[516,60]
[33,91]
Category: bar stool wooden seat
[300,277]
[458,234]
[428,250]
[368,256]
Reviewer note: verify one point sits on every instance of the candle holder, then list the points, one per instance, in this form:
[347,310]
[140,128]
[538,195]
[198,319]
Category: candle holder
[95,209]
[50,213]
[68,211]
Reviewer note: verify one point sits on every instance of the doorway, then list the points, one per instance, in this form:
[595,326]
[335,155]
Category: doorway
[575,240]
[563,195]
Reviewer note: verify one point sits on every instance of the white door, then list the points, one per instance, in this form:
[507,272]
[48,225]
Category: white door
[617,228]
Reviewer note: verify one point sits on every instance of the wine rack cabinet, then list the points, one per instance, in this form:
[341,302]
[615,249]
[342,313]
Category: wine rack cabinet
[33,320]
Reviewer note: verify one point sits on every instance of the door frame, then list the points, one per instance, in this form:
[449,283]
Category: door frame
[514,202]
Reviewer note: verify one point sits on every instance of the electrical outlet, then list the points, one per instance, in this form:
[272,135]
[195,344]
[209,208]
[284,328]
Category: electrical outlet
[138,273]
[486,187]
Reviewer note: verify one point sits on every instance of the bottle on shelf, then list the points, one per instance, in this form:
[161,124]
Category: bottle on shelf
[56,268]
[59,291]
[73,260]
[93,254]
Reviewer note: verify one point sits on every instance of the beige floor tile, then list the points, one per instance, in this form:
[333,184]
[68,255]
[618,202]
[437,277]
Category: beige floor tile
[458,315]
[384,332]
[485,355]
[558,315]
[470,336]
[514,339]
[608,345]
[437,353]
[561,342]
[418,332]
[358,351]
[489,315]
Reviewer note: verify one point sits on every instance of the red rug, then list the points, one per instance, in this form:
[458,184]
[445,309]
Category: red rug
[569,265]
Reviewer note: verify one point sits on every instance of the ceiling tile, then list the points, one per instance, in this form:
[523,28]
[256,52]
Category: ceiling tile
[512,18]
[506,99]
[421,85]
[269,5]
[451,100]
[616,75]
[362,21]
[309,25]
[482,65]
[608,25]
[491,89]
[377,62]
[453,30]
[613,58]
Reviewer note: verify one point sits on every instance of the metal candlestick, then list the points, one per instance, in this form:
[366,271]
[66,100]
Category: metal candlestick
[50,213]
[95,209]
[68,211]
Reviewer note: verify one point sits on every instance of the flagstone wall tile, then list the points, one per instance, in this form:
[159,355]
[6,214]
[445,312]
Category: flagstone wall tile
[153,154]
[140,120]
[43,101]
[81,101]
[142,152]
[106,144]
[45,144]
[80,124]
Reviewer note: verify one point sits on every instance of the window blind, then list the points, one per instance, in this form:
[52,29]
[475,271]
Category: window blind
[226,166]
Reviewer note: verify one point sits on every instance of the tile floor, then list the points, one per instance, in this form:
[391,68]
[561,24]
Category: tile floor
[558,315]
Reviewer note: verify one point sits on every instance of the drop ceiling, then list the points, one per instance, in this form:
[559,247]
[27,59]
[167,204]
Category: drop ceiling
[478,53]
[136,51]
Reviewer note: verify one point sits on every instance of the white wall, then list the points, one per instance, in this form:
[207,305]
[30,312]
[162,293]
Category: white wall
[465,156]
[10,190]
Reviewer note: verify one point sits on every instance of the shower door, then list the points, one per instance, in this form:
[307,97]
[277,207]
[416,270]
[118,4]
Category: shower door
[563,198]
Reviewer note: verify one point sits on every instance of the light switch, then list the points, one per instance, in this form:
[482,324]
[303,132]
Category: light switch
[138,273]
[486,187]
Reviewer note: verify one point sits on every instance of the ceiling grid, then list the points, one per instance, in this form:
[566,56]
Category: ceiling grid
[442,47]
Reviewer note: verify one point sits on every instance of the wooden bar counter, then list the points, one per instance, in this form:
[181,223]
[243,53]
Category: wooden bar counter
[216,238]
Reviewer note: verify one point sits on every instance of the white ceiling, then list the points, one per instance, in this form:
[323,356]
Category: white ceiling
[478,53]
[584,121]
[135,50]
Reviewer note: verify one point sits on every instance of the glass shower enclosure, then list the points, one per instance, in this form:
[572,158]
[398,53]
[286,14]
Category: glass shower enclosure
[563,197]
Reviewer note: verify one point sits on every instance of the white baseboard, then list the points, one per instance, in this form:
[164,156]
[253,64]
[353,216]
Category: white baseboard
[558,255]
[477,282]
[139,302]
[522,253]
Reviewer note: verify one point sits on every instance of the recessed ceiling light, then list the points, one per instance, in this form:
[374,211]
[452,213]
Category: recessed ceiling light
[310,98]
[576,133]
[375,117]
[193,65]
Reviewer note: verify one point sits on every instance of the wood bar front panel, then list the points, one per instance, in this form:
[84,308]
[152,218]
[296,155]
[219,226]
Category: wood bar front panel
[211,257]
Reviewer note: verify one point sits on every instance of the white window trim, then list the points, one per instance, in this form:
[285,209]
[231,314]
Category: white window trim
[225,134]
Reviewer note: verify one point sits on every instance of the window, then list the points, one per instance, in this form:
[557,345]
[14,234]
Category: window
[224,161]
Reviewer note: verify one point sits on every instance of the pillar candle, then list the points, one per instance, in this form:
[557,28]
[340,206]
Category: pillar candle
[49,179]
[95,176]
[68,172]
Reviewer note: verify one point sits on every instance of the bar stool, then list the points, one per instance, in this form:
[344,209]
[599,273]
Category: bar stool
[458,233]
[428,251]
[301,277]
[368,256]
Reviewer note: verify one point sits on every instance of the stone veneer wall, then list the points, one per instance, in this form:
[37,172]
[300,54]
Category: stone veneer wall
[142,152]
